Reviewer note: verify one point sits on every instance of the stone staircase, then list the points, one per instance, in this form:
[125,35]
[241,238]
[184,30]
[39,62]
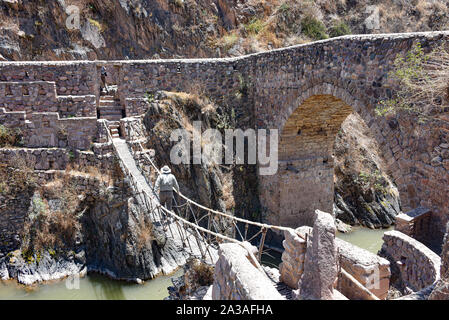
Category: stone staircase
[111,110]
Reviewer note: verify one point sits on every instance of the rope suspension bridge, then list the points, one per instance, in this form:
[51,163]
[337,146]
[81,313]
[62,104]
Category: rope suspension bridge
[197,226]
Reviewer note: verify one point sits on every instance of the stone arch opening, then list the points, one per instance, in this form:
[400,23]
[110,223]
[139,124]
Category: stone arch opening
[306,168]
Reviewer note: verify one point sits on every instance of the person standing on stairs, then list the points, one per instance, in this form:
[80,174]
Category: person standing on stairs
[103,79]
[165,184]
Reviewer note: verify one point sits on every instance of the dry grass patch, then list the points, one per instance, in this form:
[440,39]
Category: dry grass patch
[144,233]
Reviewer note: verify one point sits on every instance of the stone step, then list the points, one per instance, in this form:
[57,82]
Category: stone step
[113,107]
[111,117]
[110,111]
[107,103]
[114,126]
[107,97]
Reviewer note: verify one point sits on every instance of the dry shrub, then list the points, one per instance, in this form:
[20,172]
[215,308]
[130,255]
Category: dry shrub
[16,178]
[145,233]
[53,227]
[423,81]
[200,274]
[227,190]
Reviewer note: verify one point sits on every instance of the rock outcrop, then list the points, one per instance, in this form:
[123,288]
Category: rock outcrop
[364,193]
[320,266]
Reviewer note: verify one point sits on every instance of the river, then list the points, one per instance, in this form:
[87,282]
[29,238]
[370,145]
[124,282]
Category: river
[98,287]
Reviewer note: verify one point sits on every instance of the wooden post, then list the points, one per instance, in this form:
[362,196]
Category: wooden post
[262,242]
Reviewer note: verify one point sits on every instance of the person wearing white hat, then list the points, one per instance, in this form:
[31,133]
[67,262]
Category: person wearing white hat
[165,184]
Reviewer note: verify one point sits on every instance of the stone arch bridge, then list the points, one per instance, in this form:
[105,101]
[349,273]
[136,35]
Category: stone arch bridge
[304,91]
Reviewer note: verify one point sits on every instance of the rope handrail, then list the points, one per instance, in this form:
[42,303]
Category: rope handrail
[254,223]
[198,229]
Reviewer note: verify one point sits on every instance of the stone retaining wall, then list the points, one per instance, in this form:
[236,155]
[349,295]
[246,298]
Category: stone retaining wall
[71,77]
[58,158]
[418,266]
[47,129]
[136,106]
[12,119]
[40,96]
[236,278]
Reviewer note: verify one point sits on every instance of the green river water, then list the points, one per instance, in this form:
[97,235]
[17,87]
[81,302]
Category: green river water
[97,287]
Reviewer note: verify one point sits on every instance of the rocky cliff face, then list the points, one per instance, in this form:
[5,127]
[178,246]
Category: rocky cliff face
[364,193]
[81,226]
[227,187]
[138,29]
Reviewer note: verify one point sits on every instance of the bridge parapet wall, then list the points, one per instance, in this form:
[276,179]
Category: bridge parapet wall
[413,262]
[236,278]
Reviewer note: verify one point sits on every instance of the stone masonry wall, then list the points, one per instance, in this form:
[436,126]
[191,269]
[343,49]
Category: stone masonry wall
[40,96]
[370,270]
[71,77]
[292,265]
[353,69]
[236,278]
[47,129]
[361,264]
[304,91]
[418,266]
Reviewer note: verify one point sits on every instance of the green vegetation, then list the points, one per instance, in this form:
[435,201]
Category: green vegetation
[283,8]
[339,29]
[149,97]
[229,40]
[373,180]
[423,85]
[313,28]
[254,26]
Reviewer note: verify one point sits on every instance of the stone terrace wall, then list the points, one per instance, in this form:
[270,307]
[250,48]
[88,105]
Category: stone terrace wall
[77,106]
[71,77]
[135,106]
[12,119]
[40,96]
[31,96]
[419,267]
[236,278]
[46,129]
[56,158]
